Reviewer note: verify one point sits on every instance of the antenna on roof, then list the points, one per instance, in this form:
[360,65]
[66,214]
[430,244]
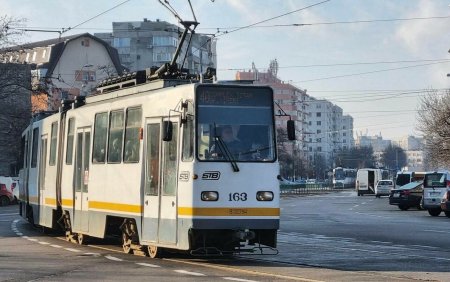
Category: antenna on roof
[171,69]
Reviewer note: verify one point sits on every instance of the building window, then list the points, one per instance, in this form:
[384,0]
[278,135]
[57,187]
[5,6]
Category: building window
[319,140]
[319,149]
[310,149]
[309,123]
[164,41]
[345,141]
[85,75]
[195,52]
[344,134]
[318,114]
[162,57]
[319,131]
[319,122]
[122,42]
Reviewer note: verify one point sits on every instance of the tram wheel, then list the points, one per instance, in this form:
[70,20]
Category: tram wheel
[82,239]
[126,243]
[71,237]
[154,251]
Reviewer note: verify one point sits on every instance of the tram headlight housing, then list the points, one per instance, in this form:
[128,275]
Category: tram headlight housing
[264,196]
[210,196]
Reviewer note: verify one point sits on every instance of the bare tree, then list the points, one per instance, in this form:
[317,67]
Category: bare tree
[434,123]
[394,157]
[10,30]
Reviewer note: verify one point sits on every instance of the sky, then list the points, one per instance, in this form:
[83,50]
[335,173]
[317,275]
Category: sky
[376,59]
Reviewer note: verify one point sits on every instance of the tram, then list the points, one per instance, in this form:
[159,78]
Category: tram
[147,160]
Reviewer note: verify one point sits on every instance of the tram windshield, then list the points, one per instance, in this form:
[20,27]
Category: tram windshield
[235,124]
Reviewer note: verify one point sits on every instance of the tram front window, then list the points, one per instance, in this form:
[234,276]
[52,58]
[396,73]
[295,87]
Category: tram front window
[235,124]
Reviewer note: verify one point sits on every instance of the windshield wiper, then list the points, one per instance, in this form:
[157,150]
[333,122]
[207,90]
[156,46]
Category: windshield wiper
[226,152]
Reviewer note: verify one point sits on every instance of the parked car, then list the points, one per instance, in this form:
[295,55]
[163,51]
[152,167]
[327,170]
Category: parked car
[445,203]
[407,196]
[12,185]
[6,196]
[383,188]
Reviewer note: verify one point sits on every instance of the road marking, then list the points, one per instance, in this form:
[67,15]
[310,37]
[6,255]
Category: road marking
[189,273]
[437,231]
[238,279]
[92,254]
[147,264]
[72,250]
[16,220]
[25,237]
[44,243]
[113,258]
[56,246]
[19,233]
[33,240]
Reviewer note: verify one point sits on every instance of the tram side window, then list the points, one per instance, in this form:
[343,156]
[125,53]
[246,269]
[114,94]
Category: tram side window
[35,147]
[53,142]
[132,130]
[115,137]
[22,153]
[70,138]
[100,133]
[188,137]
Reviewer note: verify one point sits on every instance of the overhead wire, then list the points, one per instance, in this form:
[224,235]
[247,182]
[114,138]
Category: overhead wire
[96,16]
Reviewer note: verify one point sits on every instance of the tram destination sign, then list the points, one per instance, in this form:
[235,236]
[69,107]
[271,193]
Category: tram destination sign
[234,96]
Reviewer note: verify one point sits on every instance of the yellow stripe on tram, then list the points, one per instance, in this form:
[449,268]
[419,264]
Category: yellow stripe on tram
[115,207]
[228,211]
[50,201]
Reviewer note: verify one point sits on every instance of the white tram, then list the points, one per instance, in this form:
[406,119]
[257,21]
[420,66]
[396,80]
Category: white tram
[146,160]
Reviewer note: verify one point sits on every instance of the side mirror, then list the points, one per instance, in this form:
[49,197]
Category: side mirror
[168,129]
[291,129]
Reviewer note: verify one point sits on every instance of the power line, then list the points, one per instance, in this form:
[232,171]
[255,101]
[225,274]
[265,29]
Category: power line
[370,72]
[344,64]
[102,13]
[276,17]
[332,23]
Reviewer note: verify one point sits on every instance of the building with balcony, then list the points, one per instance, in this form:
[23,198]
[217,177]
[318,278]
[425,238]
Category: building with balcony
[149,44]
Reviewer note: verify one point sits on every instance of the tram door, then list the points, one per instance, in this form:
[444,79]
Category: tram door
[82,153]
[41,184]
[160,201]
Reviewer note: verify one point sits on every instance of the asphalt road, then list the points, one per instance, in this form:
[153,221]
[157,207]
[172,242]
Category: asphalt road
[331,237]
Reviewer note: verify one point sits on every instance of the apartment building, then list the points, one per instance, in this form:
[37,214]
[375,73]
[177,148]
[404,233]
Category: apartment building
[145,44]
[329,130]
[321,127]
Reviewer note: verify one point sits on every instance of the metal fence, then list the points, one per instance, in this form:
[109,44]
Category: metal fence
[307,189]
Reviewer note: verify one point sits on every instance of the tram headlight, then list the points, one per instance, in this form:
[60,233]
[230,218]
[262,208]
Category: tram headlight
[264,195]
[209,196]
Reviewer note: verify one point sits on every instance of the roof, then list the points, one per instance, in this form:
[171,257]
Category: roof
[58,46]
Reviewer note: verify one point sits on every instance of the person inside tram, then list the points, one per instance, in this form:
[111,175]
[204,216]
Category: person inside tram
[234,145]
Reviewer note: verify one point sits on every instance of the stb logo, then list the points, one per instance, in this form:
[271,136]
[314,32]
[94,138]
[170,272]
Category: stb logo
[211,175]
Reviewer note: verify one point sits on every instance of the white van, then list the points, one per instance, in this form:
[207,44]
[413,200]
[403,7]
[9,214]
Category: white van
[366,179]
[435,186]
